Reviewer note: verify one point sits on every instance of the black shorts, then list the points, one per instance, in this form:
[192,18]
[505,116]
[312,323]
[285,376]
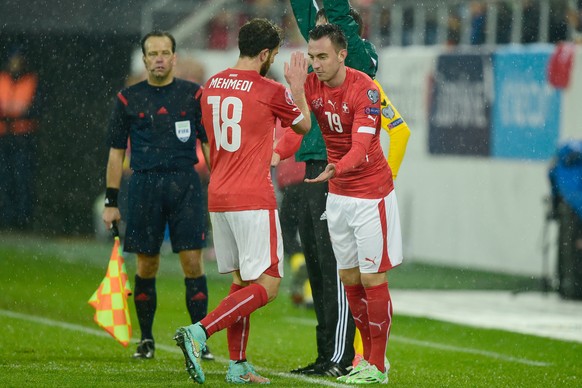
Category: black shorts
[159,198]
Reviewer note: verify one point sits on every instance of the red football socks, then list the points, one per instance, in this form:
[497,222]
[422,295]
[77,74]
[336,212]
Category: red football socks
[380,320]
[357,300]
[235,307]
[238,333]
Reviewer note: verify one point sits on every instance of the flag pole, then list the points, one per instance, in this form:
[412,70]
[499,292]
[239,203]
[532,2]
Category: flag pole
[114,229]
[110,298]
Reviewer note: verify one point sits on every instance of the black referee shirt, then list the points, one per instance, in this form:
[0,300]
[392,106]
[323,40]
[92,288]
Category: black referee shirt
[162,124]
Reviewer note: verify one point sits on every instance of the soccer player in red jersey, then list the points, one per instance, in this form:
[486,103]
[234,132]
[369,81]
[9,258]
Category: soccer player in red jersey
[362,210]
[239,109]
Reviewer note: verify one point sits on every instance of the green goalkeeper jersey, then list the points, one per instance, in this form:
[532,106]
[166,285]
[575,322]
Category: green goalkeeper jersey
[361,56]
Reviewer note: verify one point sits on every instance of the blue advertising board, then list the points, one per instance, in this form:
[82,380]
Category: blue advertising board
[526,112]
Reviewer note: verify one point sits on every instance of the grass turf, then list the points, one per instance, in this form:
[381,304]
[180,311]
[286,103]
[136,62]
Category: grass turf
[49,338]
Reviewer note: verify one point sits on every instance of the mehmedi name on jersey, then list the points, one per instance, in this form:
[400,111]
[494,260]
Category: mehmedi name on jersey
[230,83]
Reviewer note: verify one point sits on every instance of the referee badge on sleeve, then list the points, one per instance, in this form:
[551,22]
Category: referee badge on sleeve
[183,130]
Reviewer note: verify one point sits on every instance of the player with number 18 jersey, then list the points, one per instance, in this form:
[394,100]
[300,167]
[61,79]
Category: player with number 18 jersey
[233,102]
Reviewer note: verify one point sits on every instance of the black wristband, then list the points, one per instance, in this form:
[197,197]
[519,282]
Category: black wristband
[111,197]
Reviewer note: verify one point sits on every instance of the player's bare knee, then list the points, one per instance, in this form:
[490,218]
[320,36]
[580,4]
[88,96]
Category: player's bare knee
[350,276]
[272,295]
[373,279]
[271,285]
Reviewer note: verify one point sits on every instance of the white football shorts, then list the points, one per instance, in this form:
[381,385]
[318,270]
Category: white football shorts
[365,233]
[249,241]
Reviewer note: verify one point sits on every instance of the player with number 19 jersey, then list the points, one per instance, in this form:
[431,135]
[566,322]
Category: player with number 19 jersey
[349,118]
[233,102]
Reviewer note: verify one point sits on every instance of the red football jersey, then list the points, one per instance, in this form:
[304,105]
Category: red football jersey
[349,118]
[239,112]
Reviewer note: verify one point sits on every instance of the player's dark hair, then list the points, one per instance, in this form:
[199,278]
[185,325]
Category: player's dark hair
[256,35]
[353,13]
[333,32]
[158,33]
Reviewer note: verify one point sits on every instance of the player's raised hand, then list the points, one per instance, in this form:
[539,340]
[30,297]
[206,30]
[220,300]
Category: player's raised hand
[296,75]
[296,70]
[326,175]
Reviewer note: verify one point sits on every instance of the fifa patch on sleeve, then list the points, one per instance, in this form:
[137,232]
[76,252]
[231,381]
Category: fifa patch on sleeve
[373,95]
[370,110]
[388,112]
[395,123]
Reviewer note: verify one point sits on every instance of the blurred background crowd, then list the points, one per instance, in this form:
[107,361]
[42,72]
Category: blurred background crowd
[406,22]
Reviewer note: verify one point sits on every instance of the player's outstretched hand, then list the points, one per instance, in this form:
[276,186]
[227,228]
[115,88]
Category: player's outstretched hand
[296,70]
[326,175]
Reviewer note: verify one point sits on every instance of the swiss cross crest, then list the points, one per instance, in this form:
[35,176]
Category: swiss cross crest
[345,108]
[317,104]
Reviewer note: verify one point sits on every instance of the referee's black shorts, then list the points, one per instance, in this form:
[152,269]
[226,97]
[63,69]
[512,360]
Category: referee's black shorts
[159,198]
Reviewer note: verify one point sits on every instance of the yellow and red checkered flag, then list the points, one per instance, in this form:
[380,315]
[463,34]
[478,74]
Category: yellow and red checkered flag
[110,299]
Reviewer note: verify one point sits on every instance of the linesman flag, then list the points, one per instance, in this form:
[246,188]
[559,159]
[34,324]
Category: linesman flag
[110,299]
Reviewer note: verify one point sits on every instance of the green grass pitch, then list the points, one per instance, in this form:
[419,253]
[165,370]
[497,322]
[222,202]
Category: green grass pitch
[49,339]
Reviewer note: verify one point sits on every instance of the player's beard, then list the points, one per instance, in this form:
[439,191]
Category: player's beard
[266,66]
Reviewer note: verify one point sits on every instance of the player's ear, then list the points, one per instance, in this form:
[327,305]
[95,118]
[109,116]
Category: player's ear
[264,54]
[342,55]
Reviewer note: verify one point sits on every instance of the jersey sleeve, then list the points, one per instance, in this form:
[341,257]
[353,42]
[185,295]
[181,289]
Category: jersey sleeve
[118,131]
[364,128]
[338,12]
[200,130]
[284,107]
[304,11]
[288,144]
[397,129]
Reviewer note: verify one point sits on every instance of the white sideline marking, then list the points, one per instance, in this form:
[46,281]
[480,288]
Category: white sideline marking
[458,349]
[436,345]
[170,349]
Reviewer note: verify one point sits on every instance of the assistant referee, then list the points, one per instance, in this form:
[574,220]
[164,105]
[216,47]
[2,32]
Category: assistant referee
[161,117]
